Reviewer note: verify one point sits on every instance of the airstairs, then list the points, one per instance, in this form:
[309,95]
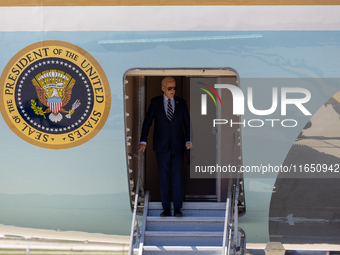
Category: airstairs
[205,228]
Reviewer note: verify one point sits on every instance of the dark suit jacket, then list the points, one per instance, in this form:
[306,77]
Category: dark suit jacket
[167,134]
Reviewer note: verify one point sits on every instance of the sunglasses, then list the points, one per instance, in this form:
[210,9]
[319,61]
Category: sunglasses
[170,88]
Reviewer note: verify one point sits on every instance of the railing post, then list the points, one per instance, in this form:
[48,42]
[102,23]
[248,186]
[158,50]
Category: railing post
[235,241]
[226,226]
[133,225]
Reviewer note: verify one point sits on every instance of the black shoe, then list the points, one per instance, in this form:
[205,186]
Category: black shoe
[166,213]
[178,213]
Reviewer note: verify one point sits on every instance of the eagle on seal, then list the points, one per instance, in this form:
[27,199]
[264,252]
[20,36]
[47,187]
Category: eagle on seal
[54,100]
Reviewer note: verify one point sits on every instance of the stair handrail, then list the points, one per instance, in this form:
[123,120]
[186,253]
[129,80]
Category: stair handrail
[145,214]
[236,237]
[135,226]
[227,224]
[231,220]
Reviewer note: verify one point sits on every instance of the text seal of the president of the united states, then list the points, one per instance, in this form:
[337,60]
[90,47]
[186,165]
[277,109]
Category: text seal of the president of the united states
[54,95]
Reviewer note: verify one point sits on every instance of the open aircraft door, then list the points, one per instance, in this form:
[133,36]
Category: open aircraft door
[204,190]
[223,142]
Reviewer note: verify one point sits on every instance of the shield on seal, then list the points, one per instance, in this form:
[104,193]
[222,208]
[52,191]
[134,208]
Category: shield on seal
[54,104]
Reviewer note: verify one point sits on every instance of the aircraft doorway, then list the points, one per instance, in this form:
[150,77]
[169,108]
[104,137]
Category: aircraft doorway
[140,87]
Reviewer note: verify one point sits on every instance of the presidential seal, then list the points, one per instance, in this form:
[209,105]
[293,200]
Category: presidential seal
[54,95]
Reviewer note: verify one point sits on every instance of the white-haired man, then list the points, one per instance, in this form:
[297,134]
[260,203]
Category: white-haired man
[171,117]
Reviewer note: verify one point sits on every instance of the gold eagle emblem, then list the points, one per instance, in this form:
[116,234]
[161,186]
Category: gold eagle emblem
[54,90]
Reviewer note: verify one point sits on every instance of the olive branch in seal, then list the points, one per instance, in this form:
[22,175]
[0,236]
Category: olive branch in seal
[37,109]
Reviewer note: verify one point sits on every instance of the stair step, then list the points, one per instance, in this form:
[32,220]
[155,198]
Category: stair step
[192,209]
[182,250]
[183,219]
[185,224]
[177,238]
[193,213]
[199,232]
[183,234]
[192,205]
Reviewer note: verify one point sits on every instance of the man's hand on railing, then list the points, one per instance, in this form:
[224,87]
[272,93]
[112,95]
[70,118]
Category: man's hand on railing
[142,147]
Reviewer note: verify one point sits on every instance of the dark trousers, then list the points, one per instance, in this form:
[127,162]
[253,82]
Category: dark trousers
[170,163]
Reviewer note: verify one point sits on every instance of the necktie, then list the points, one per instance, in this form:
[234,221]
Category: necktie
[169,111]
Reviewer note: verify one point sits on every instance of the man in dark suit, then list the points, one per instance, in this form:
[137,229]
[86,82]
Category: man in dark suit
[170,114]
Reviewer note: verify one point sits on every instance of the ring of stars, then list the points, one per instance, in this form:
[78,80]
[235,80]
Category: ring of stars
[73,68]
